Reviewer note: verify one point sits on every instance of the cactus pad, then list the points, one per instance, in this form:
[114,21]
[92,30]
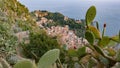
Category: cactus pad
[90,15]
[24,64]
[104,41]
[95,31]
[90,37]
[48,58]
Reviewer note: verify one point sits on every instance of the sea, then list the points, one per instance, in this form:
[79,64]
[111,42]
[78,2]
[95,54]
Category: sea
[108,11]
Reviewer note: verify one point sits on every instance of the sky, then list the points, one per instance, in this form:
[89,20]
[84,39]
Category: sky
[71,0]
[48,4]
[103,0]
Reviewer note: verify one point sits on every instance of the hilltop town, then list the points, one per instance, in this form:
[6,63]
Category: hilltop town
[64,35]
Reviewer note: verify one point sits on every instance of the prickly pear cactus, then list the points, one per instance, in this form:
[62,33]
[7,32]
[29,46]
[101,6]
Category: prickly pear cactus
[104,41]
[115,38]
[90,15]
[25,64]
[97,25]
[95,31]
[48,58]
[99,50]
[90,37]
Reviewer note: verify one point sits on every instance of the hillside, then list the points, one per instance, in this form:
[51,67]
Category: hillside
[18,27]
[14,18]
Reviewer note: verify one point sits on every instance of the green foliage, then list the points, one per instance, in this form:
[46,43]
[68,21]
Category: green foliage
[104,41]
[12,12]
[81,51]
[97,25]
[55,16]
[7,39]
[90,37]
[111,52]
[77,53]
[115,38]
[95,31]
[90,15]
[48,58]
[23,25]
[13,7]
[40,42]
[25,64]
[72,53]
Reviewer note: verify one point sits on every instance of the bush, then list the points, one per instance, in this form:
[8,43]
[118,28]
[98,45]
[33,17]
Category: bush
[40,42]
